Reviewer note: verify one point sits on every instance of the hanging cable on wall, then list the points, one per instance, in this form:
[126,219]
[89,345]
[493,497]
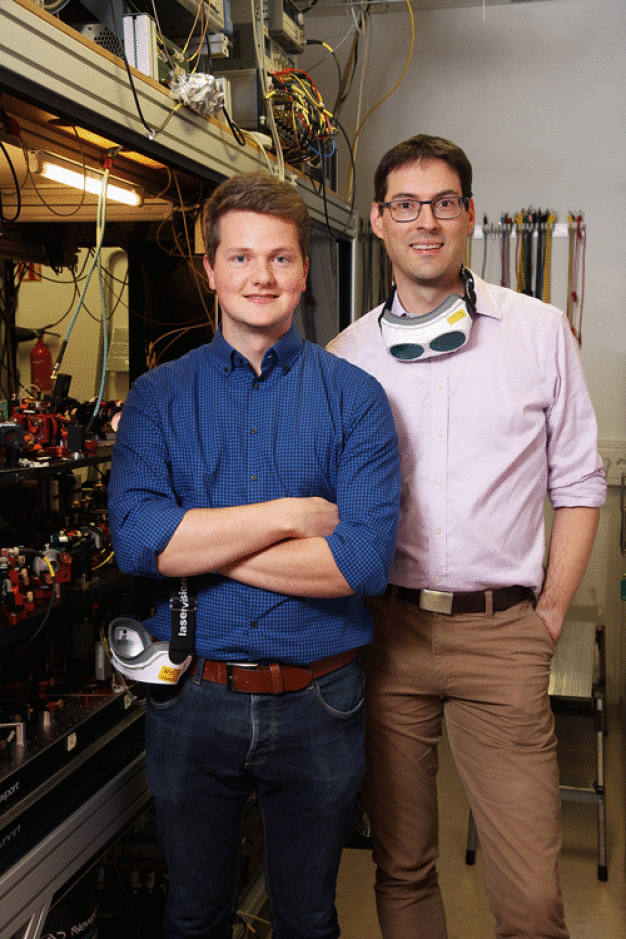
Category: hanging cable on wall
[506,226]
[547,257]
[576,273]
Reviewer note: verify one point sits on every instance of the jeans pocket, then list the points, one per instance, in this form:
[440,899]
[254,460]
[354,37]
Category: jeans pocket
[341,692]
[160,697]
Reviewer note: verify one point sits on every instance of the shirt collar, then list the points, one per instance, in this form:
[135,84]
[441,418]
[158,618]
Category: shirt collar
[286,351]
[486,304]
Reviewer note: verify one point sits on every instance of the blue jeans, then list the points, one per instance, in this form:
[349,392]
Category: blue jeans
[208,749]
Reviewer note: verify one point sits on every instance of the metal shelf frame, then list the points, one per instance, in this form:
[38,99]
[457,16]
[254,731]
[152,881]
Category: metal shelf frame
[27,889]
[45,62]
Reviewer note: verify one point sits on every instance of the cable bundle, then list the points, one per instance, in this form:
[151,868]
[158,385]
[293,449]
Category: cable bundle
[304,125]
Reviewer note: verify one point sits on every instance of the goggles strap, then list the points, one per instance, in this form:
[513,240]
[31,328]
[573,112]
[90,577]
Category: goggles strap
[183,608]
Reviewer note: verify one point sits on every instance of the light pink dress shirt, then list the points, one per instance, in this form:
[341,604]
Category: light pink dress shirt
[484,434]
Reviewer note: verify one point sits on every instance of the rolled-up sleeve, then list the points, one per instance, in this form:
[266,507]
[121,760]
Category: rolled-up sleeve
[143,509]
[575,473]
[368,491]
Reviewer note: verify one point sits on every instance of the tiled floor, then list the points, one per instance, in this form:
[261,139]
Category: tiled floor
[594,910]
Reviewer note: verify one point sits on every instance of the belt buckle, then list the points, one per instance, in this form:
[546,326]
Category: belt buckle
[229,672]
[436,601]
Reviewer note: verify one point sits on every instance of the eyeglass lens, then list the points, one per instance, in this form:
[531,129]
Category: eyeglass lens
[407,210]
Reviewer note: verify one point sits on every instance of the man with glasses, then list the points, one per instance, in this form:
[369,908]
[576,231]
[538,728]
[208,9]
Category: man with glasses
[492,413]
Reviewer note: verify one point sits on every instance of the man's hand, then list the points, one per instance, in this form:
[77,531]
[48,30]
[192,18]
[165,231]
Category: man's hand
[573,532]
[553,622]
[312,516]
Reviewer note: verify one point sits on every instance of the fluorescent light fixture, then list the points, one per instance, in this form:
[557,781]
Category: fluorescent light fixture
[87,180]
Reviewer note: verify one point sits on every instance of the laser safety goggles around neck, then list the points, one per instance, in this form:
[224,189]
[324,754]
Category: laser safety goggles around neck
[444,330]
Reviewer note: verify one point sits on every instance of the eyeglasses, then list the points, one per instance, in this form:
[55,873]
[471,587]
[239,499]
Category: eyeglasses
[407,210]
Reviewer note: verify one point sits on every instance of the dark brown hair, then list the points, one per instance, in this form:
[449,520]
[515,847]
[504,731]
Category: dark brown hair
[422,148]
[254,192]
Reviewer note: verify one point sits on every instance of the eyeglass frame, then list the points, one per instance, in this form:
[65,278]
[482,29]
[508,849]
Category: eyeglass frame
[463,201]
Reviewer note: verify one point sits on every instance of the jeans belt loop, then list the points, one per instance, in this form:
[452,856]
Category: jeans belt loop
[436,601]
[199,670]
[278,683]
[489,602]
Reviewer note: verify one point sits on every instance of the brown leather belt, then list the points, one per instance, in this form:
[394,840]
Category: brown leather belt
[439,601]
[270,679]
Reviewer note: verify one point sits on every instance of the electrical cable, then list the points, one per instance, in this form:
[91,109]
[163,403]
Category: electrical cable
[486,233]
[120,32]
[236,131]
[547,272]
[83,195]
[351,64]
[100,226]
[9,658]
[320,42]
[259,48]
[105,332]
[539,263]
[397,84]
[18,194]
[352,167]
[578,248]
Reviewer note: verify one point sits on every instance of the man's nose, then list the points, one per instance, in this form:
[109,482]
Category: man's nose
[263,273]
[426,217]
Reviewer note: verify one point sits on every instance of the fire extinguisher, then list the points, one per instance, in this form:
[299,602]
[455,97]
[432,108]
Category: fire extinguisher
[41,366]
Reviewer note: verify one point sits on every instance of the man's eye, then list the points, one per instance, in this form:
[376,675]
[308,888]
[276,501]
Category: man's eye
[406,206]
[445,203]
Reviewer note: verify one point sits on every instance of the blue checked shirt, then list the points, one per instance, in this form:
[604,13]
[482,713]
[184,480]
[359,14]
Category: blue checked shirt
[205,431]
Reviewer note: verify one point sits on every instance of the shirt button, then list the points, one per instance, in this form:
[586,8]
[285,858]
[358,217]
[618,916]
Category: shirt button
[253,430]
[253,477]
[439,433]
[437,579]
[437,531]
[439,385]
[254,624]
[437,482]
[255,385]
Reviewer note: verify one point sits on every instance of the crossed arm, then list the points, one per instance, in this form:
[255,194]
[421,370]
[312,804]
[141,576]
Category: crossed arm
[277,545]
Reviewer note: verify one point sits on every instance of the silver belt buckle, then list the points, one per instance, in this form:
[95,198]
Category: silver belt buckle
[436,601]
[230,675]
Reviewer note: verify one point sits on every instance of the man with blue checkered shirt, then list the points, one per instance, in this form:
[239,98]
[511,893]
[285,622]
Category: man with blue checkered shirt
[266,471]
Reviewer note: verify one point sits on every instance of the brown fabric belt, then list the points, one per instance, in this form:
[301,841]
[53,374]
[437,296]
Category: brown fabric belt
[270,679]
[476,602]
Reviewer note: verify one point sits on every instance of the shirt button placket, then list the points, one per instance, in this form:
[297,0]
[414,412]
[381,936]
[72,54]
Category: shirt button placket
[253,435]
[439,417]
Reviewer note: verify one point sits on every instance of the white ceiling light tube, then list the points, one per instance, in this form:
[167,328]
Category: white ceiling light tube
[77,177]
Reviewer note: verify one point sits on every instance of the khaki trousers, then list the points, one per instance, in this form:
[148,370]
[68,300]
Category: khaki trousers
[489,675]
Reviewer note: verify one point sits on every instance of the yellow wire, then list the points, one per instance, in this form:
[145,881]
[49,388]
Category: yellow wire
[106,561]
[547,270]
[521,256]
[389,93]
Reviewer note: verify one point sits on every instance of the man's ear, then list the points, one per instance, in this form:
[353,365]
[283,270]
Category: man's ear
[376,220]
[471,216]
[209,272]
